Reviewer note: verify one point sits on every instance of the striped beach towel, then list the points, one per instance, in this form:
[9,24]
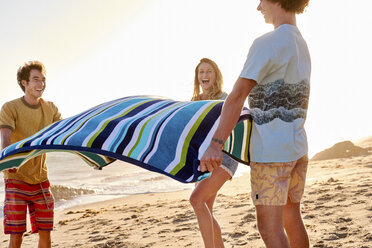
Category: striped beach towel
[158,134]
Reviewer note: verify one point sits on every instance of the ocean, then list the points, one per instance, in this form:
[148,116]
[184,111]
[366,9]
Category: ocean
[76,183]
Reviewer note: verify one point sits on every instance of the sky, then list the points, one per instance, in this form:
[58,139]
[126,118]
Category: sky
[95,51]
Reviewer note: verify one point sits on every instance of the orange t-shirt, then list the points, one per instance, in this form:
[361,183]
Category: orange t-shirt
[25,120]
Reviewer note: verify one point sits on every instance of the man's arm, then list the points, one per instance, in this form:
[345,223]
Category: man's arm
[231,110]
[5,134]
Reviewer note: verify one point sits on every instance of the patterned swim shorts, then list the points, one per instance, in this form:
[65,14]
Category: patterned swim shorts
[273,183]
[40,202]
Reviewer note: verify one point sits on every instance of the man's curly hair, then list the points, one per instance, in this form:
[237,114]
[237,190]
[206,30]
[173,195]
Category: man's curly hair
[23,72]
[296,6]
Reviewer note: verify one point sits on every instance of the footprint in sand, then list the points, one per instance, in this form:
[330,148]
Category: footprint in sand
[63,222]
[368,237]
[320,207]
[328,213]
[326,197]
[248,218]
[117,243]
[76,228]
[341,235]
[152,220]
[343,220]
[309,216]
[331,237]
[238,234]
[237,214]
[122,236]
[360,191]
[165,231]
[182,229]
[252,210]
[342,199]
[240,205]
[254,236]
[342,228]
[182,218]
[319,191]
[97,238]
[319,244]
[240,243]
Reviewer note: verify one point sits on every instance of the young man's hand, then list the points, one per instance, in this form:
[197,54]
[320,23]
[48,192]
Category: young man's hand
[211,159]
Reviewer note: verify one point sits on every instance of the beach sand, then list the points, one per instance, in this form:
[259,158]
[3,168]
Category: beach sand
[336,208]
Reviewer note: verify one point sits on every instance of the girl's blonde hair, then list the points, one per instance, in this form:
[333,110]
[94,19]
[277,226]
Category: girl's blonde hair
[216,89]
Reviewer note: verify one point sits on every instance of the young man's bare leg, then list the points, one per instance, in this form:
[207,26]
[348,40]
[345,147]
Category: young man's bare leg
[270,226]
[15,240]
[44,239]
[294,226]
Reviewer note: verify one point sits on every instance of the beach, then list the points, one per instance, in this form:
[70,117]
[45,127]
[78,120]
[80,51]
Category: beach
[336,209]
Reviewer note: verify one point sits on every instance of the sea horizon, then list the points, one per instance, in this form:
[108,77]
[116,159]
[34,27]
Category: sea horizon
[75,183]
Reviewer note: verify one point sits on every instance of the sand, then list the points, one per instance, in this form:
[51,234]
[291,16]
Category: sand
[337,211]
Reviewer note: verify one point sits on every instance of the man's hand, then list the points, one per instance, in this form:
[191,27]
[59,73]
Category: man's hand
[211,159]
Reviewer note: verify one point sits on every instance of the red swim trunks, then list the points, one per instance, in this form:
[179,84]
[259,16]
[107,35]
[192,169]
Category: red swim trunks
[40,202]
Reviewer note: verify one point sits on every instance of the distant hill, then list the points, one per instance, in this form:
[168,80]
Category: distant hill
[345,149]
[364,142]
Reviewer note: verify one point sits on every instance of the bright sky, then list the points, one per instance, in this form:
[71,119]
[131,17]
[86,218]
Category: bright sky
[95,51]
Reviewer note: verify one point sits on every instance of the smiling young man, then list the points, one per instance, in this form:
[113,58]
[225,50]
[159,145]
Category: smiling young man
[28,186]
[276,80]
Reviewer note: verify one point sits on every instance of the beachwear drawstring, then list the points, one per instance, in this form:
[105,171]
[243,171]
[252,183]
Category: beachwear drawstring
[46,201]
